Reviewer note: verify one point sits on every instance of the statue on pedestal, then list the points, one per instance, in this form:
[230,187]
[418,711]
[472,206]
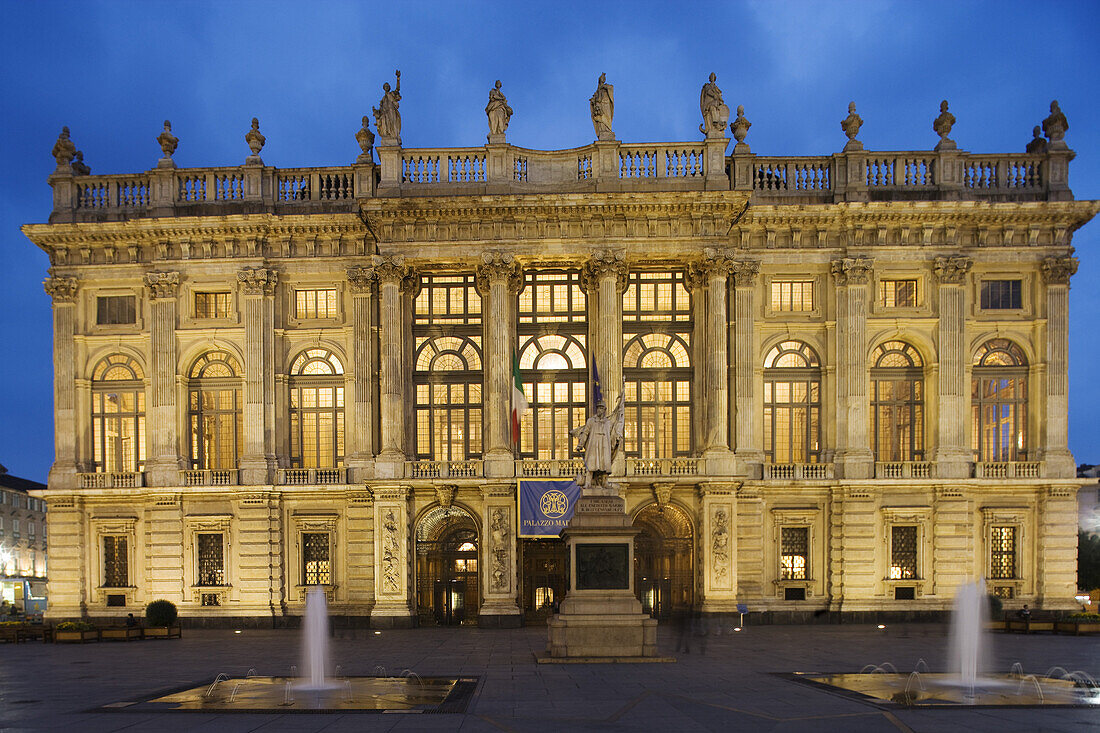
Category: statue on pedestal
[387,115]
[499,113]
[600,439]
[715,112]
[602,105]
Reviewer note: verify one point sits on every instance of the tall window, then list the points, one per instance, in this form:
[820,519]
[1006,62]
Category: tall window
[657,366]
[792,404]
[1002,555]
[116,572]
[903,552]
[794,553]
[316,410]
[211,559]
[316,566]
[897,402]
[118,415]
[553,361]
[999,402]
[215,412]
[448,368]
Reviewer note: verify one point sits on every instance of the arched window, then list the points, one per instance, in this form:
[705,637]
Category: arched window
[999,402]
[897,402]
[553,361]
[118,415]
[214,410]
[657,365]
[317,410]
[447,369]
[792,404]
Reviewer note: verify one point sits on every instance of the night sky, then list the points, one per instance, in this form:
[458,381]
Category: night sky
[114,71]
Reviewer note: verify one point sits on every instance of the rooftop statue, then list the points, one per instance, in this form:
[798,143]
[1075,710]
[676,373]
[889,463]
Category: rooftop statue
[715,112]
[600,439]
[387,115]
[1037,144]
[851,125]
[740,128]
[602,105]
[168,144]
[255,141]
[64,149]
[1055,126]
[942,125]
[499,113]
[80,168]
[365,138]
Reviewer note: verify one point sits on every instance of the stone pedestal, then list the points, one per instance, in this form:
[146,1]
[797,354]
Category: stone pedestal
[600,619]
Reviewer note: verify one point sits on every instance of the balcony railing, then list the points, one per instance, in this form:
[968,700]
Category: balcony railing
[1009,469]
[119,480]
[567,468]
[444,469]
[310,476]
[662,466]
[903,469]
[209,477]
[798,471]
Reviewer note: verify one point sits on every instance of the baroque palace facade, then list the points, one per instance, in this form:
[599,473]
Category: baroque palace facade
[845,375]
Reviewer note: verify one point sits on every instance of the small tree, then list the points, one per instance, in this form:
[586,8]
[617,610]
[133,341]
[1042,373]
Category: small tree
[1088,560]
[160,613]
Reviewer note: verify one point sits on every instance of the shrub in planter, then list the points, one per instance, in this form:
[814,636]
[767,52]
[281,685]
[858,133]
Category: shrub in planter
[160,613]
[75,626]
[1093,618]
[995,607]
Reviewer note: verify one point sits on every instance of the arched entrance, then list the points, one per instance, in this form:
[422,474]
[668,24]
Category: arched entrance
[664,561]
[447,591]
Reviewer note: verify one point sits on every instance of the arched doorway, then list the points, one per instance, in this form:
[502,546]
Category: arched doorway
[447,592]
[664,561]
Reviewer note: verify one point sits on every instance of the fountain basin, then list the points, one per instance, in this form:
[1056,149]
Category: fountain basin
[942,690]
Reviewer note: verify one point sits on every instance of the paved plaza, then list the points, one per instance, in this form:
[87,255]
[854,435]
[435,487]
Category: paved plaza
[729,686]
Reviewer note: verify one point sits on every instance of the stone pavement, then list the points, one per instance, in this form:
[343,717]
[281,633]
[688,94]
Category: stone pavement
[729,687]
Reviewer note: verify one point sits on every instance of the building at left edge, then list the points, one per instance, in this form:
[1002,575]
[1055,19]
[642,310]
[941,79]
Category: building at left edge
[845,375]
[22,544]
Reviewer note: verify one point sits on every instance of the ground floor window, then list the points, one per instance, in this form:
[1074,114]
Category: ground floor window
[794,554]
[115,562]
[211,559]
[1002,561]
[316,566]
[903,552]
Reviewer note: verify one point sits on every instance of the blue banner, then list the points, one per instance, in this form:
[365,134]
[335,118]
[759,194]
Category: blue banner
[545,507]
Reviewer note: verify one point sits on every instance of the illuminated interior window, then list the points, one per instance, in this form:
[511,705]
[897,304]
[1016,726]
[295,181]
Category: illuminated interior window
[794,553]
[999,402]
[212,305]
[1002,553]
[215,412]
[118,415]
[211,559]
[897,293]
[317,410]
[116,571]
[792,295]
[792,404]
[903,552]
[316,566]
[315,303]
[897,402]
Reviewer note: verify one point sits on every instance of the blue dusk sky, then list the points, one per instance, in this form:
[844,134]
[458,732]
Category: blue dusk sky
[114,71]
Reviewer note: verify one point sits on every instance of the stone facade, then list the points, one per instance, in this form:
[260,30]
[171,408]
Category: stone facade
[820,260]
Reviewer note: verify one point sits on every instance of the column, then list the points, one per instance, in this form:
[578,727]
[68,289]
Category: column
[952,454]
[854,458]
[499,550]
[393,604]
[719,547]
[359,431]
[498,280]
[258,291]
[750,455]
[391,271]
[63,290]
[714,267]
[162,468]
[1054,449]
[604,280]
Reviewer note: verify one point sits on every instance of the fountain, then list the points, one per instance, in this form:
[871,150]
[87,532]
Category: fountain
[968,634]
[315,642]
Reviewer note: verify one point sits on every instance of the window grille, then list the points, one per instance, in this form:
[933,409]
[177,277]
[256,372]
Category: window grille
[116,572]
[1002,561]
[211,564]
[316,567]
[903,553]
[794,553]
[210,599]
[112,310]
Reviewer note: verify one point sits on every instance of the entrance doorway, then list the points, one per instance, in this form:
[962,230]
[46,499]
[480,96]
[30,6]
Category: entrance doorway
[664,568]
[447,591]
[544,576]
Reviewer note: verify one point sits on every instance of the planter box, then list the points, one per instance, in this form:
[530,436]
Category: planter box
[75,637]
[1077,627]
[120,633]
[1030,627]
[161,632]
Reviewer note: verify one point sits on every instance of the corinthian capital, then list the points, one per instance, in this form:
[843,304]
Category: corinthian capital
[952,270]
[258,280]
[390,268]
[162,284]
[61,289]
[495,267]
[604,263]
[745,272]
[852,270]
[1058,270]
[713,262]
[361,278]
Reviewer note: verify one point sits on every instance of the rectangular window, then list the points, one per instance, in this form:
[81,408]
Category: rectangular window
[903,553]
[211,560]
[30,529]
[316,567]
[112,310]
[1001,295]
[315,303]
[794,548]
[897,293]
[115,562]
[15,527]
[1002,561]
[212,305]
[794,295]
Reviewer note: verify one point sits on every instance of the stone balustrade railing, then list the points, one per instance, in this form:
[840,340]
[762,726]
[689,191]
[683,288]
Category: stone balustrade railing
[857,175]
[1009,469]
[115,480]
[209,477]
[798,471]
[662,466]
[903,469]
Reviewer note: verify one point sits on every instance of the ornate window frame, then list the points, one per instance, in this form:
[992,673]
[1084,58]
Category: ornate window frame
[907,516]
[1019,518]
[1027,306]
[293,320]
[924,303]
[809,517]
[92,324]
[314,523]
[100,528]
[818,295]
[193,526]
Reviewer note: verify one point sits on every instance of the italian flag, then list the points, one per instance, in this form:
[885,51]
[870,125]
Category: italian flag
[519,402]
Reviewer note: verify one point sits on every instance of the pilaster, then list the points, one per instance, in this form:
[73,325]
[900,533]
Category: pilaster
[952,455]
[392,272]
[718,522]
[714,268]
[498,280]
[360,436]
[162,468]
[1056,552]
[750,542]
[854,458]
[1057,460]
[63,292]
[953,535]
[68,548]
[604,280]
[258,291]
[394,606]
[748,451]
[499,600]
